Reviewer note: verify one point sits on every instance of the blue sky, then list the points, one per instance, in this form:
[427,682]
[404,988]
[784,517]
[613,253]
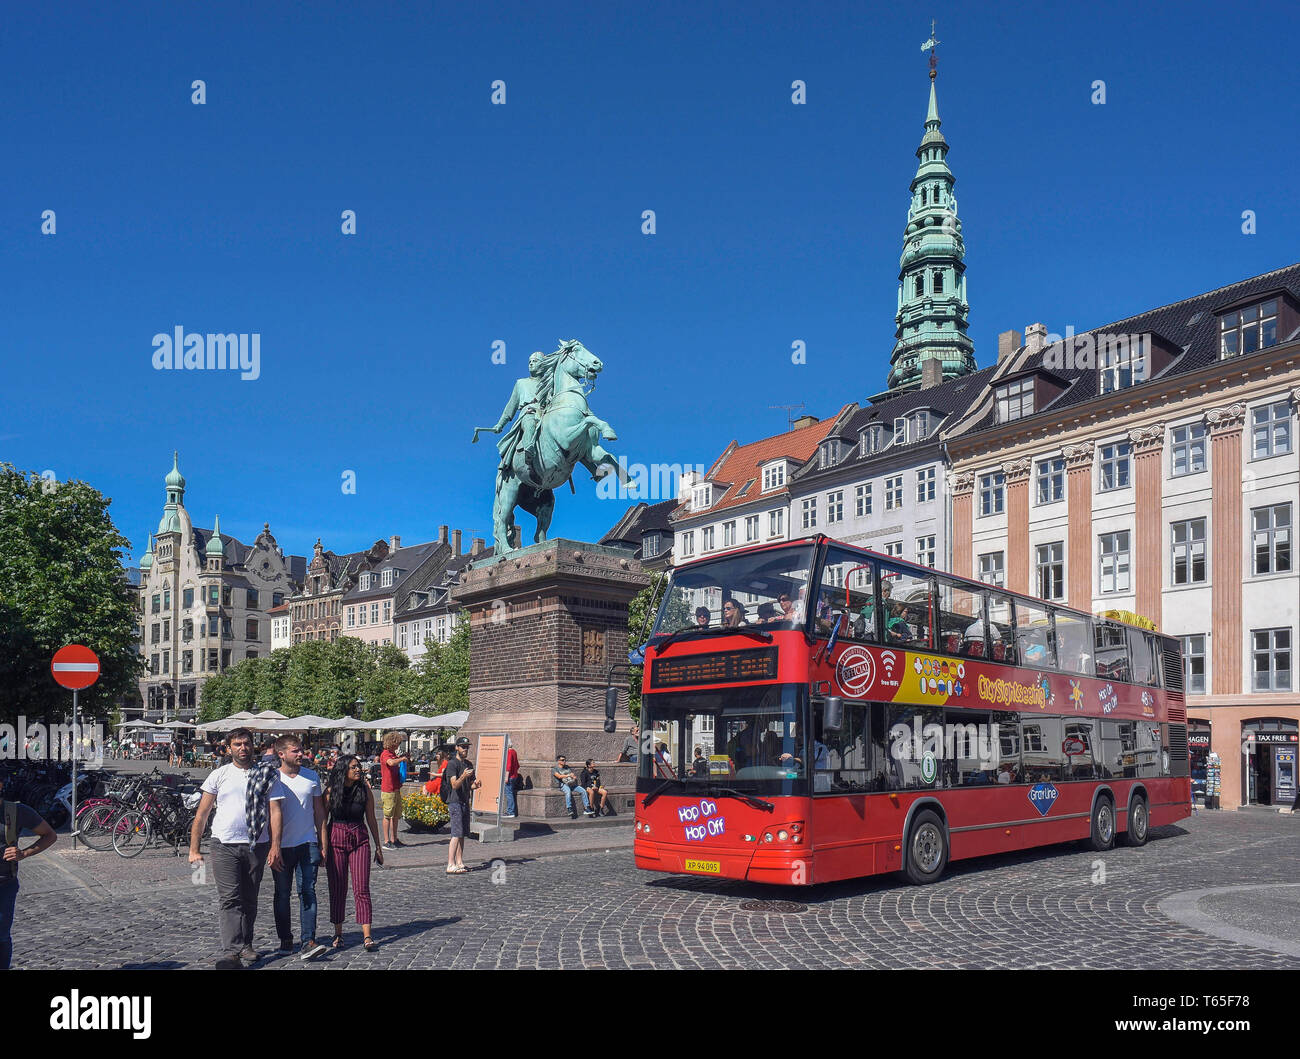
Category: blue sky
[521,223]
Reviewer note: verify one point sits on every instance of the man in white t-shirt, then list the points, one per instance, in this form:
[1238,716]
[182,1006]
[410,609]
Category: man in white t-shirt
[304,821]
[238,860]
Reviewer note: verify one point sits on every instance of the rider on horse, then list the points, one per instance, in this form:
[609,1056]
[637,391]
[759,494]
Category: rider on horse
[528,401]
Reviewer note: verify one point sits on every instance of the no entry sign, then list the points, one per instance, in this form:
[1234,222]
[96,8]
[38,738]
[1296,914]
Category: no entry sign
[75,666]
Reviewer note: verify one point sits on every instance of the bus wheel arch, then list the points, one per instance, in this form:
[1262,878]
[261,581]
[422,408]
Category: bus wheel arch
[925,845]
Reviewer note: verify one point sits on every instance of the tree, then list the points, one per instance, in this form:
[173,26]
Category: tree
[443,671]
[61,582]
[316,676]
[677,615]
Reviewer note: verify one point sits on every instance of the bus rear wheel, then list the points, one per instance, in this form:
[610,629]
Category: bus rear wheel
[927,849]
[1138,823]
[1103,825]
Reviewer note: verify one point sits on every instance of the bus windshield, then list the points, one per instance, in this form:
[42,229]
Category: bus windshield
[748,739]
[763,590]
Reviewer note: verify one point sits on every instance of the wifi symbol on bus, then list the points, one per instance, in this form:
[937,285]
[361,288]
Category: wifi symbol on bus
[887,659]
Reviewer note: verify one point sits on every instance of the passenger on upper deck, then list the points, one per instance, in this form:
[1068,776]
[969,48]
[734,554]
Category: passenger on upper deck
[733,614]
[701,617]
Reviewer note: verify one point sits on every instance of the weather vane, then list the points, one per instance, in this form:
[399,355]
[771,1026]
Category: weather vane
[932,43]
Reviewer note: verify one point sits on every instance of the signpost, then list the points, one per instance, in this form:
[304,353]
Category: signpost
[75,667]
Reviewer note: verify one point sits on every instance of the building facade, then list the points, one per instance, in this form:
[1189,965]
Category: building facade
[205,599]
[316,612]
[879,479]
[1150,466]
[744,497]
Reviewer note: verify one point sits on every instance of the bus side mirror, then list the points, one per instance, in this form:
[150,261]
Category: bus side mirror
[611,709]
[833,714]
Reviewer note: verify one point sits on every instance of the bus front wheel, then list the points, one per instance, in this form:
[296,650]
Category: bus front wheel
[1138,822]
[927,849]
[1103,825]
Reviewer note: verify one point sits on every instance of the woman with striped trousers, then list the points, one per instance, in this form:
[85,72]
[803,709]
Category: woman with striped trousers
[351,805]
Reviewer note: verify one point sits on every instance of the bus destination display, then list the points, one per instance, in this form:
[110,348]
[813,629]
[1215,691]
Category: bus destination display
[725,667]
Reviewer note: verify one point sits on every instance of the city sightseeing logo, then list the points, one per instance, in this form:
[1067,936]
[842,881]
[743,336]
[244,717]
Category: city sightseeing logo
[1011,693]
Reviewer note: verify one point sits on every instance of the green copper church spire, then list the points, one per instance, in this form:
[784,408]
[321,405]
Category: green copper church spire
[932,308]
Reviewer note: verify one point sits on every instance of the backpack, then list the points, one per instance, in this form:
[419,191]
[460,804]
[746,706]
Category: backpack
[444,785]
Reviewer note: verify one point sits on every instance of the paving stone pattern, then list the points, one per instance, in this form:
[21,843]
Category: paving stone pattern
[1041,908]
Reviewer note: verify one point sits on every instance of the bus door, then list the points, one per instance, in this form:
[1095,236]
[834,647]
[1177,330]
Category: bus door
[848,764]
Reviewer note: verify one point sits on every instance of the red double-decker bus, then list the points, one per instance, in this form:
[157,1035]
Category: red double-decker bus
[816,711]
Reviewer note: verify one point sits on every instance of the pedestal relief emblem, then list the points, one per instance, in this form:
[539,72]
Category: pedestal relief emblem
[593,647]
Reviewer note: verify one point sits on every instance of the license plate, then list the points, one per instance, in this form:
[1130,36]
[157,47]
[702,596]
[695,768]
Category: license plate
[710,866]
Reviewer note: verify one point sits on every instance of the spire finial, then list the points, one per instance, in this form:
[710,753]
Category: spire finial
[932,44]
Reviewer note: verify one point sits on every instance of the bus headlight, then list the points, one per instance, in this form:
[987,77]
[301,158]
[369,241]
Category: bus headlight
[783,834]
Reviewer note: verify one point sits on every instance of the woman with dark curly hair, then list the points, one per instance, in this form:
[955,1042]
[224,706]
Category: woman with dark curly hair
[351,806]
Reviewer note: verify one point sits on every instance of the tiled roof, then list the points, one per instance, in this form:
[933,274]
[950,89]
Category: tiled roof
[1190,327]
[638,520]
[407,560]
[741,464]
[946,401]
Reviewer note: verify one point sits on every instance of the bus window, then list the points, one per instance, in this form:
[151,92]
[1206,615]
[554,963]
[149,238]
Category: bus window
[915,752]
[848,597]
[1143,665]
[1147,750]
[846,764]
[1112,651]
[1080,744]
[1008,731]
[1001,622]
[1034,635]
[1043,755]
[1073,642]
[961,619]
[972,749]
[909,616]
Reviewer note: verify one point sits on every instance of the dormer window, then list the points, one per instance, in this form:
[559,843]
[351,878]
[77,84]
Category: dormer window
[773,476]
[1122,362]
[1015,400]
[1248,330]
[650,545]
[386,579]
[872,440]
[365,582]
[701,497]
[829,453]
[900,431]
[920,425]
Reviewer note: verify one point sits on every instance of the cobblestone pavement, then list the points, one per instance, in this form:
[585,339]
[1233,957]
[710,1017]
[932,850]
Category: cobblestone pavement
[1042,908]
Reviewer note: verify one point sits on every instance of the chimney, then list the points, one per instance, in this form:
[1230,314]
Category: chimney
[394,542]
[931,372]
[1008,343]
[478,547]
[442,534]
[1036,338]
[455,542]
[803,421]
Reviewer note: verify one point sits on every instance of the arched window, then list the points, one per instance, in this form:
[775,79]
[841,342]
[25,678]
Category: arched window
[938,283]
[920,285]
[923,194]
